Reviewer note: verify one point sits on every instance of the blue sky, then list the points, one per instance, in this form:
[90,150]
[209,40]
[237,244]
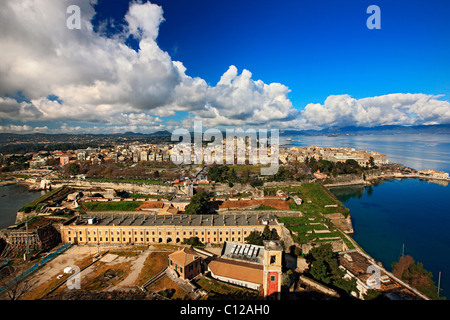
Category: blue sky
[316,48]
[338,72]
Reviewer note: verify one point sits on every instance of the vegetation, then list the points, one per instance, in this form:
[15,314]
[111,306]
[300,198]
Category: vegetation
[415,274]
[315,197]
[235,174]
[32,205]
[148,196]
[112,206]
[124,180]
[257,238]
[264,207]
[14,163]
[193,241]
[155,263]
[324,267]
[199,204]
[350,166]
[220,290]
[373,294]
[142,172]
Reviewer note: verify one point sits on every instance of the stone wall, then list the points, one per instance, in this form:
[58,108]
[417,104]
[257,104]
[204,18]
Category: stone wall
[318,286]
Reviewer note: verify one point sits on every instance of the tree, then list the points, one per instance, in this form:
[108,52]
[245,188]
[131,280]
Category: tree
[266,234]
[73,169]
[372,163]
[416,275]
[325,166]
[372,294]
[324,267]
[255,238]
[199,204]
[274,235]
[312,163]
[18,287]
[231,176]
[193,241]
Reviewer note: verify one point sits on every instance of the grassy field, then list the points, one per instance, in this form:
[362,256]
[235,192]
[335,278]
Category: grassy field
[145,181]
[241,168]
[315,197]
[221,290]
[166,284]
[148,196]
[264,207]
[155,262]
[112,206]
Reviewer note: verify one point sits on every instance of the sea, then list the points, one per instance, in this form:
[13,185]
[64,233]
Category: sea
[12,198]
[395,217]
[418,151]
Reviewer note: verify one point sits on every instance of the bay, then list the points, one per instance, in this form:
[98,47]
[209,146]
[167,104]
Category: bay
[418,151]
[12,198]
[409,212]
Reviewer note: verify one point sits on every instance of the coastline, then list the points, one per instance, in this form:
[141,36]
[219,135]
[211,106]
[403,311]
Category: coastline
[370,181]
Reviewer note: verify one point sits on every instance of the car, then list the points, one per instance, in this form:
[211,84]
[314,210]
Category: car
[60,276]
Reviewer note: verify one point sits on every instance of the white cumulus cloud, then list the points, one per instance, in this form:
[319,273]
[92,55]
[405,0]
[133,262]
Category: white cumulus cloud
[101,81]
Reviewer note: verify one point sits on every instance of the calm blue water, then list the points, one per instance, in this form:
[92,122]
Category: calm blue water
[12,198]
[419,151]
[410,212]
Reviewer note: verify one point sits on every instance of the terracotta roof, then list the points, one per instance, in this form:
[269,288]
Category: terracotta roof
[237,270]
[168,209]
[183,257]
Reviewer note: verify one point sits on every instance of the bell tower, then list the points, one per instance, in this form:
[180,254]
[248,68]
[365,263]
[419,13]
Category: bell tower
[273,254]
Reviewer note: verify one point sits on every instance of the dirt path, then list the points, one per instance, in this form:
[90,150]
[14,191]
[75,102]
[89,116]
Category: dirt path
[130,281]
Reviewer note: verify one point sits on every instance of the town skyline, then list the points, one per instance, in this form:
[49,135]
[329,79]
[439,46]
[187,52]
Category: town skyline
[131,68]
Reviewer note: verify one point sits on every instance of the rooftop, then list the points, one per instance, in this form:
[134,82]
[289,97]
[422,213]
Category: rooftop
[243,252]
[358,265]
[184,256]
[125,219]
[243,271]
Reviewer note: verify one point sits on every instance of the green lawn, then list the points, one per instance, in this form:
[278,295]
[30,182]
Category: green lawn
[148,196]
[264,207]
[127,180]
[221,290]
[113,206]
[318,195]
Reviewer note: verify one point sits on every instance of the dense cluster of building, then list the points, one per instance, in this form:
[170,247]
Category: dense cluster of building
[133,152]
[332,154]
[235,150]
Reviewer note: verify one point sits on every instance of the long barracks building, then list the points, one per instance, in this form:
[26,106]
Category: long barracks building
[148,229]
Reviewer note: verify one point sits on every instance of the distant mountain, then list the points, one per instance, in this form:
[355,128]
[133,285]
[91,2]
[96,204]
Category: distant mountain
[390,129]
[138,134]
[22,143]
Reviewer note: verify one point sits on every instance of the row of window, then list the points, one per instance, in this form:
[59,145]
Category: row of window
[159,233]
[154,240]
